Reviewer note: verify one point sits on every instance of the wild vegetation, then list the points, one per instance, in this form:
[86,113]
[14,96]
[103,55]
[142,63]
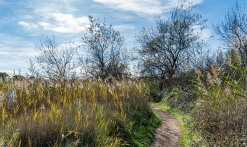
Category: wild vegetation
[220,113]
[55,106]
[211,94]
[38,112]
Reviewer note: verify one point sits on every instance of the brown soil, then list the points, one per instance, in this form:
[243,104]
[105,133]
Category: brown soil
[167,135]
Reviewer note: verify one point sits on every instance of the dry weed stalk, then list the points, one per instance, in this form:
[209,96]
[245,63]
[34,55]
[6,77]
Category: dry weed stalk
[221,110]
[199,73]
[93,109]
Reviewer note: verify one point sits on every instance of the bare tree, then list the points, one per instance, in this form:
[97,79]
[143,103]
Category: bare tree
[57,63]
[203,56]
[166,47]
[220,58]
[233,31]
[200,56]
[105,51]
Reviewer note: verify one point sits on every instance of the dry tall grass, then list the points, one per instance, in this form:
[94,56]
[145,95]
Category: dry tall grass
[221,111]
[39,112]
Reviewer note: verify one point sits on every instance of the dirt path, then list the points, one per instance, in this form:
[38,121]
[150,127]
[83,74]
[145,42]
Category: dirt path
[167,135]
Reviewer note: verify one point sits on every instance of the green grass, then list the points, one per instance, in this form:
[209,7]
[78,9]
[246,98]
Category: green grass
[144,134]
[184,120]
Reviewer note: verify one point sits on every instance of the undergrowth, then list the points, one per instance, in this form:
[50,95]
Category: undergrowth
[214,110]
[221,110]
[38,112]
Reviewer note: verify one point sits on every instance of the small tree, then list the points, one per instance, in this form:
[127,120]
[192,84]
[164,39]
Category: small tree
[105,51]
[56,63]
[166,47]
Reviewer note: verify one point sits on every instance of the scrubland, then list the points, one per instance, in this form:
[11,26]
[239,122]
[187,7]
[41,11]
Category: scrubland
[93,112]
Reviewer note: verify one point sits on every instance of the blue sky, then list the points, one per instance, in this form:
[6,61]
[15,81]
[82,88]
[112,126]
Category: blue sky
[24,23]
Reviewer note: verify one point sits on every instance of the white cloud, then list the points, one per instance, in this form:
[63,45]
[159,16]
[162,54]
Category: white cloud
[150,7]
[124,27]
[4,53]
[71,45]
[23,52]
[29,53]
[204,33]
[22,23]
[45,25]
[48,6]
[28,17]
[59,22]
[140,6]
[27,25]
[13,46]
[64,23]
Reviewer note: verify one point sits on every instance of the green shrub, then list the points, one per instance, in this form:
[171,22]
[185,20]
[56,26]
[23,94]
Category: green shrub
[181,99]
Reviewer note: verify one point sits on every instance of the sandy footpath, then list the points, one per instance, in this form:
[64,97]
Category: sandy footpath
[168,133]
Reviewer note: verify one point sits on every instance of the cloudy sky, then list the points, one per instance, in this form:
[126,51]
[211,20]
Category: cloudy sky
[24,23]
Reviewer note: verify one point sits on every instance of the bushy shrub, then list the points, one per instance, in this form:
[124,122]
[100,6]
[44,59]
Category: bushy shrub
[181,98]
[221,111]
[155,96]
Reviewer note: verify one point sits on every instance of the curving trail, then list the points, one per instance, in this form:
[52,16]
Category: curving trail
[168,133]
